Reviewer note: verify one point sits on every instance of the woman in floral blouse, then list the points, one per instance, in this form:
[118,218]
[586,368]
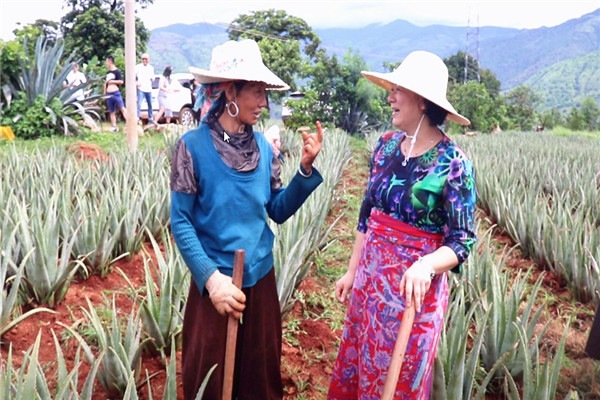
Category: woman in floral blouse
[416,223]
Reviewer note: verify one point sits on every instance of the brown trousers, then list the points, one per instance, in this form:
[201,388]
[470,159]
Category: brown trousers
[592,348]
[257,372]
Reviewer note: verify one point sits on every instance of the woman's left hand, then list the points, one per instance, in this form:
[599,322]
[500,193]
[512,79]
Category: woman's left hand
[415,283]
[312,147]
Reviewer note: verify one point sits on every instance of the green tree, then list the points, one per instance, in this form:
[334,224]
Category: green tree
[340,95]
[278,36]
[576,120]
[9,60]
[456,72]
[590,113]
[475,102]
[521,103]
[97,28]
[551,118]
[323,77]
[41,27]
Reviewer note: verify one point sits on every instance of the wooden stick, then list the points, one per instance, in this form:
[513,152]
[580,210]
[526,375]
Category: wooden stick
[391,380]
[232,328]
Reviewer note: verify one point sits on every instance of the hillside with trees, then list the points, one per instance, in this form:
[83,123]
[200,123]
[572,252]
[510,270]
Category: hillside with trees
[513,84]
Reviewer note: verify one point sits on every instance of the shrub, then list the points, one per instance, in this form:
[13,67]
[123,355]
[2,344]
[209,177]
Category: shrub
[37,120]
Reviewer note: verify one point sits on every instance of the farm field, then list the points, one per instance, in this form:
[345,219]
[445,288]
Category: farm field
[531,277]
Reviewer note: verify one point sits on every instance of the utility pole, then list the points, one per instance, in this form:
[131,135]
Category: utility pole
[130,86]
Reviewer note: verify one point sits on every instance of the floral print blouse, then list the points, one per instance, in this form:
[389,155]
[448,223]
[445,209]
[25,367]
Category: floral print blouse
[434,192]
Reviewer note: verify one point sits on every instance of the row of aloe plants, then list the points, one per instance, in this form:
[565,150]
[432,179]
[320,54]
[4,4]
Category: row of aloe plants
[112,350]
[493,342]
[490,344]
[544,190]
[68,217]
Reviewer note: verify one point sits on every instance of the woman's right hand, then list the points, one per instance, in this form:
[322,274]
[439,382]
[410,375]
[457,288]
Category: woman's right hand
[343,286]
[225,296]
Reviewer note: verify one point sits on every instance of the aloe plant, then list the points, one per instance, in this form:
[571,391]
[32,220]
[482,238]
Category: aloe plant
[501,307]
[96,241]
[31,382]
[170,390]
[540,381]
[49,270]
[120,352]
[10,278]
[162,306]
[303,234]
[67,382]
[456,366]
[101,212]
[458,373]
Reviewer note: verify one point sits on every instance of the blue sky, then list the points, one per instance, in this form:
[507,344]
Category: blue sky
[329,13]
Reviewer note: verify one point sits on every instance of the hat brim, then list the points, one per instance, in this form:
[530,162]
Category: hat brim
[257,75]
[387,80]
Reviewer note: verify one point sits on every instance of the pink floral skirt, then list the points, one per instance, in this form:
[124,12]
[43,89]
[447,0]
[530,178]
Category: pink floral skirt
[375,313]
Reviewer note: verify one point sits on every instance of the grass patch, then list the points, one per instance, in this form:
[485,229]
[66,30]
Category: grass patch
[109,141]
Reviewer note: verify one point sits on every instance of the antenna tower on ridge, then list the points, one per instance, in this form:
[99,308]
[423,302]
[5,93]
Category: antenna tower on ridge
[472,48]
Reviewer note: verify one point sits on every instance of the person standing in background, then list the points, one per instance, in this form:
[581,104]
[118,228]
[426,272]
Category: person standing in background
[144,74]
[75,78]
[164,89]
[114,100]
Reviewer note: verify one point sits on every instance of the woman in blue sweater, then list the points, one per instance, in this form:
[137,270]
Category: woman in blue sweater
[224,185]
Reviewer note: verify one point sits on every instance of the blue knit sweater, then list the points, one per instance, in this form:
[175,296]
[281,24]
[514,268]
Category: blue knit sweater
[216,210]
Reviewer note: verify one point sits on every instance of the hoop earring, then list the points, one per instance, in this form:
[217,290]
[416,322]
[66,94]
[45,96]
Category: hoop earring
[237,109]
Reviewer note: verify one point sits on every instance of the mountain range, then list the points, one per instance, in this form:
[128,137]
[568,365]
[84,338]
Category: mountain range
[561,63]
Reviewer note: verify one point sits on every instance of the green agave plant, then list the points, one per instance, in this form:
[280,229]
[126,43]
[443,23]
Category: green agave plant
[43,77]
[458,373]
[170,391]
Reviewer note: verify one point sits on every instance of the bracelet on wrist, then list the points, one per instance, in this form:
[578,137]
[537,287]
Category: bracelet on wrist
[303,172]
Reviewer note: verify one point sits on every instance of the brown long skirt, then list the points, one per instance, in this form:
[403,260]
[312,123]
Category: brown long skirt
[258,351]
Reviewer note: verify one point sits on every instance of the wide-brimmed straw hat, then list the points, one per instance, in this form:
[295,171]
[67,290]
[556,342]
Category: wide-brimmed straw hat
[238,61]
[423,73]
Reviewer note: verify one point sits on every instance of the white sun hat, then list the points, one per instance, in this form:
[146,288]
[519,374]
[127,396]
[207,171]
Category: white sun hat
[423,73]
[238,61]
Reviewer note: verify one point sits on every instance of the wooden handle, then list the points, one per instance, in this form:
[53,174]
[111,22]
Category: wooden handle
[391,380]
[232,328]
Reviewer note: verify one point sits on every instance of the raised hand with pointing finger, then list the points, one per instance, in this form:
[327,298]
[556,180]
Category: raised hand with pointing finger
[311,148]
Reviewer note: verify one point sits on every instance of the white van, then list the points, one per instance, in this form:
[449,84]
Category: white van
[181,98]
